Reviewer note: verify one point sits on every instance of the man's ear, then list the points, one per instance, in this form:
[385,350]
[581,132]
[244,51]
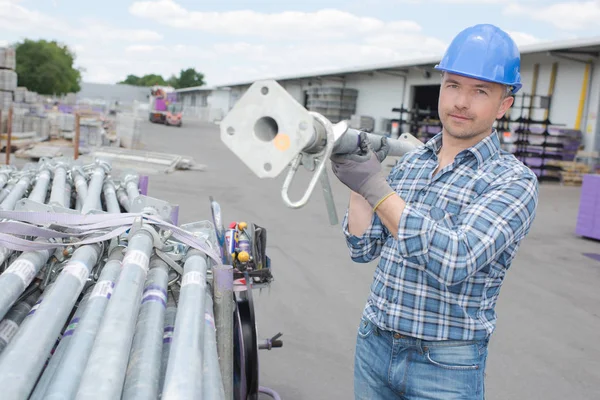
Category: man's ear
[504,106]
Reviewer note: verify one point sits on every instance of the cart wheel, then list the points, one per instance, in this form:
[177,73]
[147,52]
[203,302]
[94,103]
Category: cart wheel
[245,348]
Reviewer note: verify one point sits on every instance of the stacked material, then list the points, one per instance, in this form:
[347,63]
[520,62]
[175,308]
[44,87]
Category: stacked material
[538,145]
[8,58]
[334,103]
[94,262]
[20,94]
[8,80]
[128,130]
[570,172]
[8,83]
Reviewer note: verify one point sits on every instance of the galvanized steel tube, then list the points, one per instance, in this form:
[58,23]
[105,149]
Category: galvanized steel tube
[23,359]
[6,191]
[212,381]
[57,194]
[183,378]
[57,357]
[68,374]
[169,327]
[16,193]
[123,199]
[132,187]
[143,372]
[81,187]
[40,189]
[19,275]
[105,371]
[10,324]
[92,200]
[110,197]
[224,309]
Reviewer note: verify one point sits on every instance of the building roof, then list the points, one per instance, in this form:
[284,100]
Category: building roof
[589,45]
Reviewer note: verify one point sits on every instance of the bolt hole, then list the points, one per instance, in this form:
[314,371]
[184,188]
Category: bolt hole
[230,130]
[264,90]
[303,125]
[266,129]
[267,167]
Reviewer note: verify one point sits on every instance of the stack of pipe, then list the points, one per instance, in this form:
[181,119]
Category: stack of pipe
[86,315]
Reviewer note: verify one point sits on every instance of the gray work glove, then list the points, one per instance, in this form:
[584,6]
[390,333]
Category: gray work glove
[362,172]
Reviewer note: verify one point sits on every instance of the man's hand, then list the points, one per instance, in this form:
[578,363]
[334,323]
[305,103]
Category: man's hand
[362,173]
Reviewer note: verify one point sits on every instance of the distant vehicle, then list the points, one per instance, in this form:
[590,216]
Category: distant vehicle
[163,105]
[174,114]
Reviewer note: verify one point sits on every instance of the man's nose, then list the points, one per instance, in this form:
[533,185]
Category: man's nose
[462,100]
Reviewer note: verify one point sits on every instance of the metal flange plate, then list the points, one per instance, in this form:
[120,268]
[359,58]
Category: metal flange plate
[267,128]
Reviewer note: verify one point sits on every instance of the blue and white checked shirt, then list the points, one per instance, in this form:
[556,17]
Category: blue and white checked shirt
[457,237]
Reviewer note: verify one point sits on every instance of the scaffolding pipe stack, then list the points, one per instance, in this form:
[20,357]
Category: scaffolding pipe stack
[102,296]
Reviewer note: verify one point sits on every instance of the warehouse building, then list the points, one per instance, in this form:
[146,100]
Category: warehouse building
[560,96]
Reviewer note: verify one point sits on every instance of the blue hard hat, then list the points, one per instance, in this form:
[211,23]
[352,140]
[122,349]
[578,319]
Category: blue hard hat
[484,52]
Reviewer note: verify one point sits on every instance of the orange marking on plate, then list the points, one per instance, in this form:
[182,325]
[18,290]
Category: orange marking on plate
[282,142]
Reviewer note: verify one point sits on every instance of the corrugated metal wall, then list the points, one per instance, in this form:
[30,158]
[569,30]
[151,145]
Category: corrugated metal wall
[111,93]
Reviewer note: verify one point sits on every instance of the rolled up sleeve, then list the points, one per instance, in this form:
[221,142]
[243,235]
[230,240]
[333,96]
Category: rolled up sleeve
[499,218]
[367,247]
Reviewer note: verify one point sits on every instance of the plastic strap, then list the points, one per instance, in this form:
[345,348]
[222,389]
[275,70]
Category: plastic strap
[85,225]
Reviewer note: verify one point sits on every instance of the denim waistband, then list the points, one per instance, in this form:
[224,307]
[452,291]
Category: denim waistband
[409,341]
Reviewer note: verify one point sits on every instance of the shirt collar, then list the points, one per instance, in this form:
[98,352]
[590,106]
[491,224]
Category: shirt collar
[482,151]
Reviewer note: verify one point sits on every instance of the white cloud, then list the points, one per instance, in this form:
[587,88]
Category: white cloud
[576,15]
[17,18]
[523,39]
[292,42]
[322,24]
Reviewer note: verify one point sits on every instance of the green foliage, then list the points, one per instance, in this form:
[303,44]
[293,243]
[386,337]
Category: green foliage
[46,67]
[187,78]
[146,80]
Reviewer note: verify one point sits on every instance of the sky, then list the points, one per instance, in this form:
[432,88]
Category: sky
[232,41]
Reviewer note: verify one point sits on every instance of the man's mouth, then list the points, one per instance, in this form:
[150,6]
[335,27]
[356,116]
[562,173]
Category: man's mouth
[461,117]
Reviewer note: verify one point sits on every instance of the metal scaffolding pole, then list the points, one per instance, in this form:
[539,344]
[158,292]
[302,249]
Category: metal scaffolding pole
[57,194]
[169,326]
[23,359]
[183,378]
[19,275]
[57,357]
[11,323]
[105,371]
[143,372]
[224,309]
[213,383]
[68,374]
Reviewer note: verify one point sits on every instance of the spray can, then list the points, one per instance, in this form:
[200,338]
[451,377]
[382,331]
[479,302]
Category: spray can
[243,238]
[231,238]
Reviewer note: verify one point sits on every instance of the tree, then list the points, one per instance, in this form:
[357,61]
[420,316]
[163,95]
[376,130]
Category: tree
[46,67]
[189,78]
[146,80]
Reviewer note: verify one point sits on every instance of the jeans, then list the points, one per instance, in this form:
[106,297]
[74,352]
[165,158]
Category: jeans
[388,365]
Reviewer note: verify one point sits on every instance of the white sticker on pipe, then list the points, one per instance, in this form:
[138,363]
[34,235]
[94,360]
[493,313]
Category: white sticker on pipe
[138,258]
[22,268]
[103,289]
[193,278]
[78,270]
[8,328]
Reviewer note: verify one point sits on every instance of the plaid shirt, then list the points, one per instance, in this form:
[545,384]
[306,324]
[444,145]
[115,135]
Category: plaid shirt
[457,238]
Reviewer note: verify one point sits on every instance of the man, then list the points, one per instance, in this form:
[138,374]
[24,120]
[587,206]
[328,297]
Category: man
[446,223]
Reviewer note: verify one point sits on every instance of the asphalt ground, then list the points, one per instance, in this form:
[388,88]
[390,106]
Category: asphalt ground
[546,345]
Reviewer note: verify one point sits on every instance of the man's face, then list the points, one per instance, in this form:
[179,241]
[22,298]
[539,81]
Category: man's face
[468,107]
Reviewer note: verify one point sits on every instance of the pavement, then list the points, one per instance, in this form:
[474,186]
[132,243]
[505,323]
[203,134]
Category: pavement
[546,343]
